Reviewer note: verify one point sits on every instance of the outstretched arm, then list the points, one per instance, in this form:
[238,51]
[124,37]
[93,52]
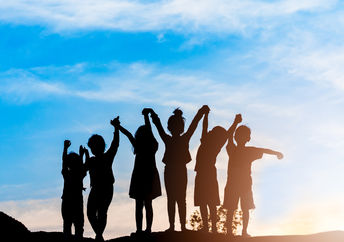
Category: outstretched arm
[232,128]
[204,109]
[66,145]
[272,152]
[157,123]
[115,141]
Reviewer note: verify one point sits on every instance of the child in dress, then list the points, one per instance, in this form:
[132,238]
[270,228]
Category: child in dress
[176,157]
[239,180]
[72,207]
[206,187]
[101,178]
[145,182]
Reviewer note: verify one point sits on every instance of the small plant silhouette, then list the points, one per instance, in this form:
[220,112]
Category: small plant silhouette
[196,220]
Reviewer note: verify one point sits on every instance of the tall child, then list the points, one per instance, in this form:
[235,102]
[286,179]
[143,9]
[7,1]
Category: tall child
[206,187]
[145,182]
[176,157]
[239,180]
[72,207]
[101,178]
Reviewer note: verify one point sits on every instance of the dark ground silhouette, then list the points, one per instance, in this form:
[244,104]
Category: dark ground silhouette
[12,230]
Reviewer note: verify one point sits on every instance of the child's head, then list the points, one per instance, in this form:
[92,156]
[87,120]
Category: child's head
[242,135]
[96,144]
[144,138]
[74,161]
[176,122]
[217,136]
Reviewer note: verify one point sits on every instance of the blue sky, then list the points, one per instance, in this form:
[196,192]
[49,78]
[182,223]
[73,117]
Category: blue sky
[67,68]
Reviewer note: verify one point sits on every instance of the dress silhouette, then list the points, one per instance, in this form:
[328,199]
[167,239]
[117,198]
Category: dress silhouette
[145,182]
[176,157]
[101,178]
[72,206]
[206,186]
[239,180]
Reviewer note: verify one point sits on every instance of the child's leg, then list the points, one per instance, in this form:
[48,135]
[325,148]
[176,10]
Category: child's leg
[103,208]
[213,217]
[67,217]
[182,213]
[138,214]
[92,210]
[171,209]
[245,219]
[229,222]
[79,218]
[204,215]
[149,215]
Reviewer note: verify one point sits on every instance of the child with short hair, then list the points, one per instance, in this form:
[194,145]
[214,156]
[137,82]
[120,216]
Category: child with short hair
[72,207]
[239,180]
[206,186]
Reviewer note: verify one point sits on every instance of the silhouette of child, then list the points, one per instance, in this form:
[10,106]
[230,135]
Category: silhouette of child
[145,182]
[72,207]
[101,178]
[206,186]
[239,180]
[176,157]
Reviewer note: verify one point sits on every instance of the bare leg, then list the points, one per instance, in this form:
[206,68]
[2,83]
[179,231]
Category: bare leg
[149,215]
[204,215]
[245,220]
[138,214]
[182,213]
[213,217]
[229,222]
[171,209]
[92,211]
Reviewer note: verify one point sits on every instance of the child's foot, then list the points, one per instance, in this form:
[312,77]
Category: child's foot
[204,229]
[99,237]
[214,230]
[245,234]
[170,229]
[184,229]
[148,230]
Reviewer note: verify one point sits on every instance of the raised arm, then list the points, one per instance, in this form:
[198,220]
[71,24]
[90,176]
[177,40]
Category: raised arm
[145,113]
[115,141]
[66,145]
[205,125]
[157,123]
[204,109]
[128,134]
[232,128]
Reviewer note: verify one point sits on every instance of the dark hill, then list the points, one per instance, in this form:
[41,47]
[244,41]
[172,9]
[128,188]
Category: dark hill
[13,230]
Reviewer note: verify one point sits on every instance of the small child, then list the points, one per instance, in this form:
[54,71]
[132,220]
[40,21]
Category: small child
[101,178]
[239,180]
[145,182]
[206,187]
[72,200]
[176,157]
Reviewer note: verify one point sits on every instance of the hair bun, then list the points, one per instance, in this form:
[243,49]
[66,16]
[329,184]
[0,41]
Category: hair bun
[178,112]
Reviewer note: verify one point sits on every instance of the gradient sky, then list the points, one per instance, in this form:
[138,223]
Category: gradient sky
[68,67]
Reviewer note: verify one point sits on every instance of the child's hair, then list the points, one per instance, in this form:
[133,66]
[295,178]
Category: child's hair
[74,161]
[242,134]
[96,143]
[144,139]
[176,122]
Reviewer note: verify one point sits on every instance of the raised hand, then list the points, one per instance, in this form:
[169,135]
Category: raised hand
[115,122]
[238,118]
[146,111]
[67,143]
[205,109]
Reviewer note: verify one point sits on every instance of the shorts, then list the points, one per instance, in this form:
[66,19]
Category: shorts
[234,194]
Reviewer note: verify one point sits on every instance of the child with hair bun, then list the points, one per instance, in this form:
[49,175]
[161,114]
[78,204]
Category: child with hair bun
[176,157]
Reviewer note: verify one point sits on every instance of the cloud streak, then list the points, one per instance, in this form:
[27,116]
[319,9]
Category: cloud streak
[187,16]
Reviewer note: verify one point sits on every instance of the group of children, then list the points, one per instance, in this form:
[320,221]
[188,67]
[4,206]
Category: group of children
[145,182]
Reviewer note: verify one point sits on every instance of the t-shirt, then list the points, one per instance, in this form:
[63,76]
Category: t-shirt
[177,151]
[239,165]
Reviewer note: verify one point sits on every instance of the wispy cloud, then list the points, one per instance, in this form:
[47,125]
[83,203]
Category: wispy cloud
[187,16]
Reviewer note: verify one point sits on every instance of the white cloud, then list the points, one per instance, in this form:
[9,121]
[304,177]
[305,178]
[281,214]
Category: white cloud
[179,15]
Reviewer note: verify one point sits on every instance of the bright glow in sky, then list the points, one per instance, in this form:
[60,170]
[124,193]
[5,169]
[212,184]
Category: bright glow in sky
[68,67]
